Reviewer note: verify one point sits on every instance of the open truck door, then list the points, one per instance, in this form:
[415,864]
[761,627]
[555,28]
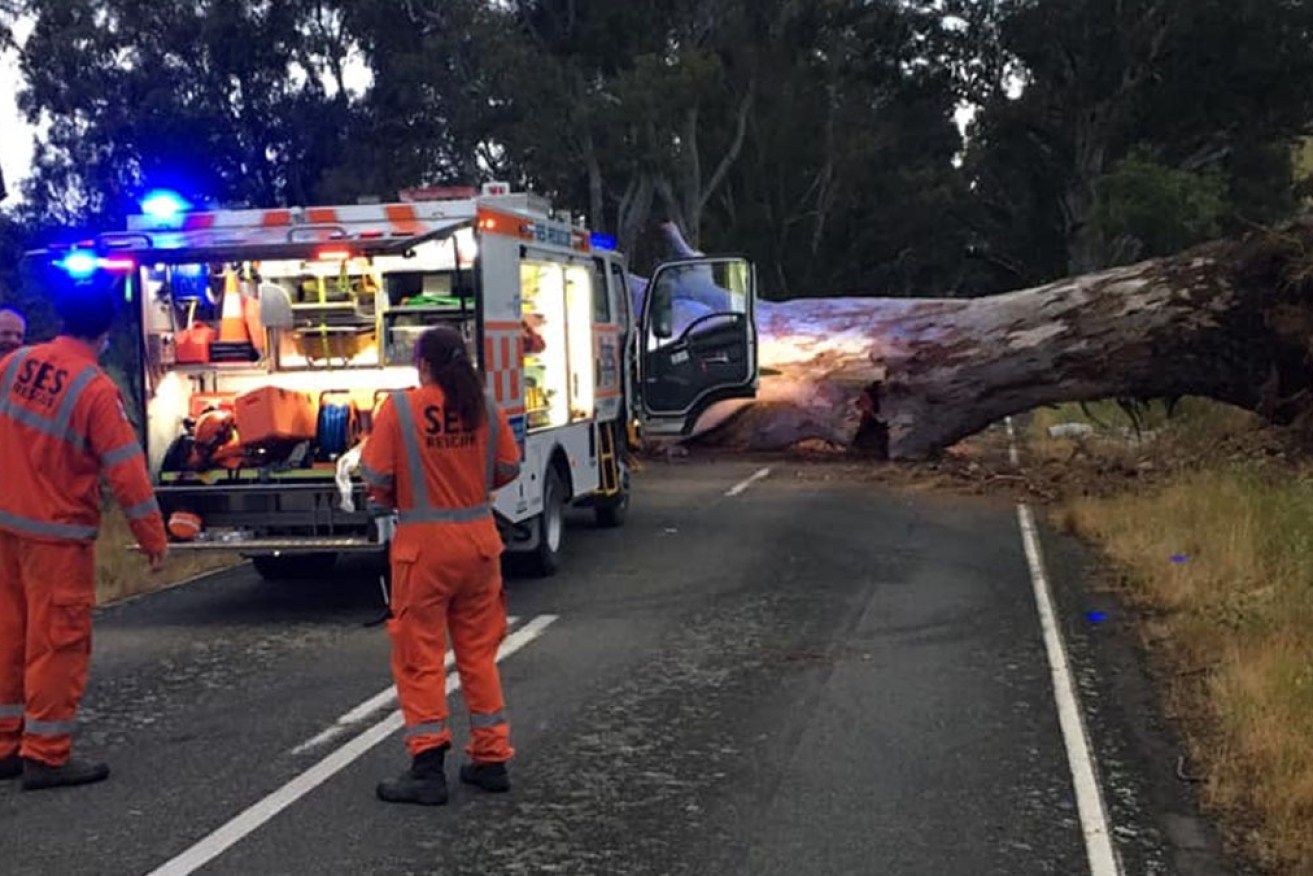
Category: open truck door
[697,341]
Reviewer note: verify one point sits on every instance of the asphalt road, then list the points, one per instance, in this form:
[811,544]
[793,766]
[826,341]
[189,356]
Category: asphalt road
[806,676]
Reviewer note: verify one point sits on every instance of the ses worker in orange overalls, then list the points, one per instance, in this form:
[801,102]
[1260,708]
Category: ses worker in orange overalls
[435,454]
[62,425]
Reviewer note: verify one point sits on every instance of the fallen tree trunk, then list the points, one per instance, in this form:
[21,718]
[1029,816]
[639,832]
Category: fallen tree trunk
[903,378]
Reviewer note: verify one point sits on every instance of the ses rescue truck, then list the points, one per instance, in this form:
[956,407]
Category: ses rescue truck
[269,337]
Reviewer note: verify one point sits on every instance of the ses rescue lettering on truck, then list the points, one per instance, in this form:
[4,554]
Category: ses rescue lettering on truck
[272,337]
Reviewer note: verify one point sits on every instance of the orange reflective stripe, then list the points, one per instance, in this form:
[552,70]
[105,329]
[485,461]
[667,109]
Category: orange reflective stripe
[404,219]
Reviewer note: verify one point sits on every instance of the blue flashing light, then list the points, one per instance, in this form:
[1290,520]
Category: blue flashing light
[79,264]
[163,205]
[602,241]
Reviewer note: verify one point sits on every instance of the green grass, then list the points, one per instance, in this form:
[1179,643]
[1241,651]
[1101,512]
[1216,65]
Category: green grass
[1233,623]
[121,572]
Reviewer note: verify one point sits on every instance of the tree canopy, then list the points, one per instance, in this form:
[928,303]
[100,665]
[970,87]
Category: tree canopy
[818,137]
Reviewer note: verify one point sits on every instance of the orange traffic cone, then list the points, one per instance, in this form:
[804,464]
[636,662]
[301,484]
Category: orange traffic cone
[232,326]
[234,343]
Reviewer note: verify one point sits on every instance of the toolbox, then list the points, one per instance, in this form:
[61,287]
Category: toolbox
[271,414]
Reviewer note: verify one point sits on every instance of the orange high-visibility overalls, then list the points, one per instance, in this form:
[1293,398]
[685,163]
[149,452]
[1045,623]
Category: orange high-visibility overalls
[62,424]
[446,571]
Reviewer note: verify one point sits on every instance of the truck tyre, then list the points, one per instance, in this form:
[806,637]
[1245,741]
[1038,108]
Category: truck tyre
[294,567]
[611,511]
[545,559]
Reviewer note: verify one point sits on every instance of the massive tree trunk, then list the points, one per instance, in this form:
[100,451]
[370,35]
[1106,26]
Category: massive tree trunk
[904,378]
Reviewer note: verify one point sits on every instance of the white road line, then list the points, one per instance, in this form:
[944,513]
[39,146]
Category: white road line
[260,813]
[1099,851]
[379,701]
[1012,444]
[743,485]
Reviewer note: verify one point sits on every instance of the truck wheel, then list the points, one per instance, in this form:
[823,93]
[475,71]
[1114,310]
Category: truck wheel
[545,559]
[612,511]
[294,567]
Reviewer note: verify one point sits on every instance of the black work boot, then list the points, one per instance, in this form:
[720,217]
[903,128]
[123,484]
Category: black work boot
[491,777]
[424,783]
[38,776]
[11,767]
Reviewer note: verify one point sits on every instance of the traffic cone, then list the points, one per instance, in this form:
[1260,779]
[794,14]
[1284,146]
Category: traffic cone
[232,326]
[234,343]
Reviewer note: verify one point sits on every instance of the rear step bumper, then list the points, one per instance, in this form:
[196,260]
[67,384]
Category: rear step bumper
[278,546]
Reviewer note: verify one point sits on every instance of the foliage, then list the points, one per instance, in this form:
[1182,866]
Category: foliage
[817,137]
[1147,208]
[222,100]
[1209,85]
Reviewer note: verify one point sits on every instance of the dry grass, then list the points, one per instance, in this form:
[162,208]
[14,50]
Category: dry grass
[121,572]
[1218,554]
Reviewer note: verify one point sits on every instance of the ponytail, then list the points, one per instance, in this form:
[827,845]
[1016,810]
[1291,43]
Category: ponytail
[442,352]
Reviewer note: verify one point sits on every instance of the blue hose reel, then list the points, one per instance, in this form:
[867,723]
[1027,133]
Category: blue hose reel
[333,434]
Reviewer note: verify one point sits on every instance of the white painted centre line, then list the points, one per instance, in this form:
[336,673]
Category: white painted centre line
[1099,851]
[744,484]
[1013,456]
[385,698]
[261,812]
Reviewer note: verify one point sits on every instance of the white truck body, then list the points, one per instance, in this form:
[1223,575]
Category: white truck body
[502,267]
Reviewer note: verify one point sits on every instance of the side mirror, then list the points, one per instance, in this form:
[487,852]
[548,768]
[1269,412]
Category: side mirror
[275,307]
[662,308]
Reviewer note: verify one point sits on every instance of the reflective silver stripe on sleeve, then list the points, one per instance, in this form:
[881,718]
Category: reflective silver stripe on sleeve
[49,728]
[376,479]
[74,392]
[12,371]
[482,722]
[28,526]
[509,470]
[142,509]
[431,728]
[444,515]
[493,426]
[414,462]
[11,710]
[121,454]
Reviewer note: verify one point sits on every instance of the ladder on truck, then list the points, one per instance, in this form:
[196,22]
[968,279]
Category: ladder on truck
[608,460]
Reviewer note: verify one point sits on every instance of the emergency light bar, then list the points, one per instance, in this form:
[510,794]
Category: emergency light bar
[164,206]
[80,264]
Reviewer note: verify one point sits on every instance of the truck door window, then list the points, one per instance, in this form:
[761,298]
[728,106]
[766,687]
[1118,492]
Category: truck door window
[621,286]
[601,296]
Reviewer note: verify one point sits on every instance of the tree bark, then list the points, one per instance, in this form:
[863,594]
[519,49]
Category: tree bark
[904,378]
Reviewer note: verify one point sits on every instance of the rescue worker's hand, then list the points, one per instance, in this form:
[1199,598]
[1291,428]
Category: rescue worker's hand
[157,561]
